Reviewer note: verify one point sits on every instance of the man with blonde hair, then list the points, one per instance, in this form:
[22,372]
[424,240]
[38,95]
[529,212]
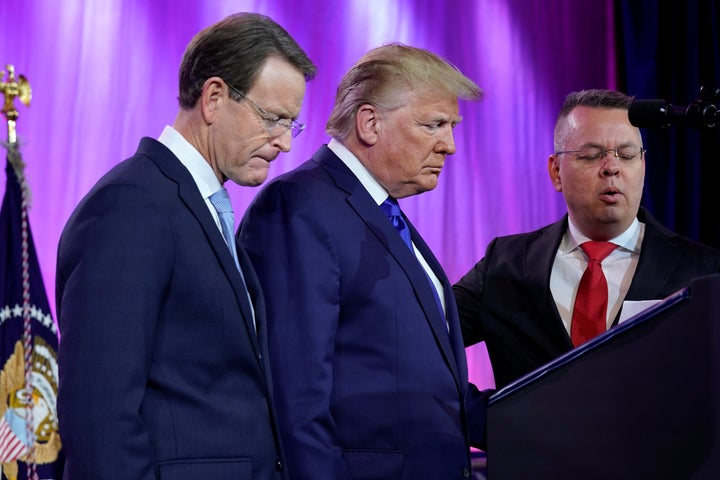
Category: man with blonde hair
[367,356]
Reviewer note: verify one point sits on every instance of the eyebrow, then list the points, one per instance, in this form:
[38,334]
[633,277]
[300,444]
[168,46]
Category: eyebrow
[442,118]
[602,147]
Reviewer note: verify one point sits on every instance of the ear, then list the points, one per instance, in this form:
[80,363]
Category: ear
[212,98]
[554,171]
[367,123]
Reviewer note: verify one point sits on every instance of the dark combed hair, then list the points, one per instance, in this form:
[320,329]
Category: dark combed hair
[595,98]
[235,49]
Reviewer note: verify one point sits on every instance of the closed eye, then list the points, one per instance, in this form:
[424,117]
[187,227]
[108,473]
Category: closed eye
[437,125]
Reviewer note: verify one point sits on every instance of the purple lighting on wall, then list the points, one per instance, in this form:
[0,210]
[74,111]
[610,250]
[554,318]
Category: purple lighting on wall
[104,74]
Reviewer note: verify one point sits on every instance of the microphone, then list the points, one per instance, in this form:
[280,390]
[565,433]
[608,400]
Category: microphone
[659,113]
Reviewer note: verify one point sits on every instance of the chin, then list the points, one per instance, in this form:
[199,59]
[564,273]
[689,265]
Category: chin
[428,186]
[607,218]
[251,178]
[255,182]
[249,181]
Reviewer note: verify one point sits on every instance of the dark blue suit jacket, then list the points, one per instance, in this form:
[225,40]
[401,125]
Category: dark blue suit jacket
[505,299]
[370,384]
[162,374]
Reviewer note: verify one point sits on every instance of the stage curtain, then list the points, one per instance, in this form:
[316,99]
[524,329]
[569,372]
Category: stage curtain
[104,74]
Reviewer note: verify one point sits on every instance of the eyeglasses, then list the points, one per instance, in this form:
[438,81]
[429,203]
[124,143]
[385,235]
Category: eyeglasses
[276,126]
[626,154]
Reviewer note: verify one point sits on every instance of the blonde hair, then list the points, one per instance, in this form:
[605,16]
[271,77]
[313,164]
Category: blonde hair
[384,72]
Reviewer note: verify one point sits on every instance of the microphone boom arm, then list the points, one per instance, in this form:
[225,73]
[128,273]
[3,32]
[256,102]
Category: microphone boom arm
[700,114]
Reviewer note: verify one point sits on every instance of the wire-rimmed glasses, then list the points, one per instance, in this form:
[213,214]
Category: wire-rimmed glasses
[593,154]
[276,125]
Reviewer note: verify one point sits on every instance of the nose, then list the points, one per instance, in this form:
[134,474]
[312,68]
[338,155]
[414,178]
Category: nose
[446,144]
[283,141]
[611,163]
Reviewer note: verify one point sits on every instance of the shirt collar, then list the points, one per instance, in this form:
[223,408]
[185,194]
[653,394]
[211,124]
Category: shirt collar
[376,191]
[188,155]
[628,240]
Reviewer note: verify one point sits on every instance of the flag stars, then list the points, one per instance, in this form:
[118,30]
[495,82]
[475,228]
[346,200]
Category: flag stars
[48,322]
[6,313]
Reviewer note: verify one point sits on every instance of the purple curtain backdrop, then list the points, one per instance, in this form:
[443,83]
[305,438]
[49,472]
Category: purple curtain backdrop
[103,74]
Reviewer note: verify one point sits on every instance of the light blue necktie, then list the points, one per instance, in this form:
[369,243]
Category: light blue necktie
[223,206]
[221,201]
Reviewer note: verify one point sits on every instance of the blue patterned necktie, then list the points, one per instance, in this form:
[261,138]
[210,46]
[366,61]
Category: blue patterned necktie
[221,201]
[391,208]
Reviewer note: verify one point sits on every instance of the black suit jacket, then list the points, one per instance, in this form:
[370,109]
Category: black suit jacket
[162,374]
[505,299]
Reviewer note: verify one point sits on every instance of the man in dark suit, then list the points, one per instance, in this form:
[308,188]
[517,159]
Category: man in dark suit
[520,297]
[367,357]
[163,361]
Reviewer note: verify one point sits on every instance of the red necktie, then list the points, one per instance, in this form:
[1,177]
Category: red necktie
[590,312]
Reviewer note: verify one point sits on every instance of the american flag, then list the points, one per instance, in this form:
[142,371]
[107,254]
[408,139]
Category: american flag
[30,446]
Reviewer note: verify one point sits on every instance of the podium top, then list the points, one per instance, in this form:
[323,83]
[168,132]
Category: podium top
[594,344]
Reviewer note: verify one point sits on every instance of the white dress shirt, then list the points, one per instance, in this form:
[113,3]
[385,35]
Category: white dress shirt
[619,268]
[201,171]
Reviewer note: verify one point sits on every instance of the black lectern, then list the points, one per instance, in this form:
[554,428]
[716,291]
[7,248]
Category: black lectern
[641,401]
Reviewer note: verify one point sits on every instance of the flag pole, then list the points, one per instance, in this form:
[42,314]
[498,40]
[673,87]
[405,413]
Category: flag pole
[12,89]
[20,88]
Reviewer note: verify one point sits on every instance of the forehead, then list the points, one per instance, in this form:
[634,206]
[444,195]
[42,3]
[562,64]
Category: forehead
[432,103]
[278,77]
[603,126]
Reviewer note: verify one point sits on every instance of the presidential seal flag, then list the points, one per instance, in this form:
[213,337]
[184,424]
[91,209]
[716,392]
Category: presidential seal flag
[30,446]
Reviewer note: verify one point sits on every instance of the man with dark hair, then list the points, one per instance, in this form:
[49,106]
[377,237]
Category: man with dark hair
[369,368]
[163,361]
[527,297]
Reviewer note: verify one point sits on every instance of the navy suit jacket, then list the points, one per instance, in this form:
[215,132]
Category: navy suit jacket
[370,384]
[162,374]
[505,299]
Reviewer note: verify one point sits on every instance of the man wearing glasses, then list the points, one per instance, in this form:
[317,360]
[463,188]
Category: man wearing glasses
[533,296]
[163,361]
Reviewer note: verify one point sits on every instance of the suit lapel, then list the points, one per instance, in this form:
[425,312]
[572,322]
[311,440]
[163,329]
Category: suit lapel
[658,258]
[444,328]
[539,255]
[363,204]
[258,332]
[188,193]
[197,206]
